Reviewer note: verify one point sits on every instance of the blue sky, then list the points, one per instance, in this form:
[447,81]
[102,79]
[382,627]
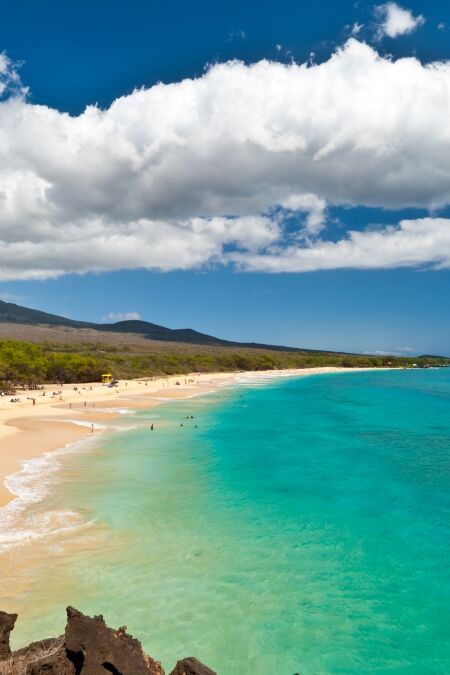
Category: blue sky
[83,199]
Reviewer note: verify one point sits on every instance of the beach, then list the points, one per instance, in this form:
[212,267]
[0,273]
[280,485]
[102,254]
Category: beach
[272,521]
[62,415]
[66,414]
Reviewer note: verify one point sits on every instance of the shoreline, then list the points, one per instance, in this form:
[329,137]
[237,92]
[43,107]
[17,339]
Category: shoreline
[30,431]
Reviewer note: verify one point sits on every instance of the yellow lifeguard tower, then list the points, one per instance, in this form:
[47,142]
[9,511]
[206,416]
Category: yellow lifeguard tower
[106,378]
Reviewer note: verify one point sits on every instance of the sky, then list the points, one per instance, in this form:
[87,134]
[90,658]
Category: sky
[270,172]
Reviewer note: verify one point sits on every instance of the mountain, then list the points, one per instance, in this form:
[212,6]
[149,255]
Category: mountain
[15,314]
[11,313]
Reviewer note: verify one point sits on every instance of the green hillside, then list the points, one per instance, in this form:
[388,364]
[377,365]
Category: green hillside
[26,363]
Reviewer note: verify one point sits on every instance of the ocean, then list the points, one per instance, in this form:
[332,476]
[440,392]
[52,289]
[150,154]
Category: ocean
[292,525]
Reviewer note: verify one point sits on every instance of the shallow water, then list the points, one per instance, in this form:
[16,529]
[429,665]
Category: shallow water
[303,526]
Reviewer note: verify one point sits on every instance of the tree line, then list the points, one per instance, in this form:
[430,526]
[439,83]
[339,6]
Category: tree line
[27,363]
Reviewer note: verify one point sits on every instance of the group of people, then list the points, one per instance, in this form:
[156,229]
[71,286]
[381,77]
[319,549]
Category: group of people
[188,417]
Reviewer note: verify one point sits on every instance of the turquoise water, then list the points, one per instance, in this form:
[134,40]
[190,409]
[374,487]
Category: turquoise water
[303,526]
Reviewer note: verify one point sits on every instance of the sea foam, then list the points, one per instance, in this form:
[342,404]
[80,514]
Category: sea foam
[30,486]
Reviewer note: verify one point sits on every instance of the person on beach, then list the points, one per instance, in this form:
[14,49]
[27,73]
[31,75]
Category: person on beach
[151,427]
[92,428]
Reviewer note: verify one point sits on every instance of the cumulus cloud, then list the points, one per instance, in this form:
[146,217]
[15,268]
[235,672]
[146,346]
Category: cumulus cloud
[425,241]
[396,20]
[218,168]
[121,316]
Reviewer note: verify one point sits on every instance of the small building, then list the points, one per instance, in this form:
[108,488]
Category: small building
[106,378]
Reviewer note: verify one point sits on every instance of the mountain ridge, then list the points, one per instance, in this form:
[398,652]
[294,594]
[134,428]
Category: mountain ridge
[12,313]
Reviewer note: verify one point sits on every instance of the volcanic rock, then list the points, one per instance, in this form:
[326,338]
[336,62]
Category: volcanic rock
[7,622]
[190,666]
[96,649]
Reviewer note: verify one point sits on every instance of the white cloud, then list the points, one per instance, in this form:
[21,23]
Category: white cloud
[310,204]
[397,351]
[237,34]
[356,28]
[121,316]
[189,174]
[396,20]
[425,241]
[10,82]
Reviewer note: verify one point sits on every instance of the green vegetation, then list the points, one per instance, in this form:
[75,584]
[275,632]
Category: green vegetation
[26,363]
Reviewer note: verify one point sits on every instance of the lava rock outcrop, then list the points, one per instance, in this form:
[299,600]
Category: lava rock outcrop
[88,647]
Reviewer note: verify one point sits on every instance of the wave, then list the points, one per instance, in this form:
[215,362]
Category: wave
[164,399]
[117,411]
[83,423]
[30,485]
[79,423]
[19,521]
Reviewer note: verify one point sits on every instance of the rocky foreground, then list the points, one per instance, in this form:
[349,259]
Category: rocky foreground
[88,647]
